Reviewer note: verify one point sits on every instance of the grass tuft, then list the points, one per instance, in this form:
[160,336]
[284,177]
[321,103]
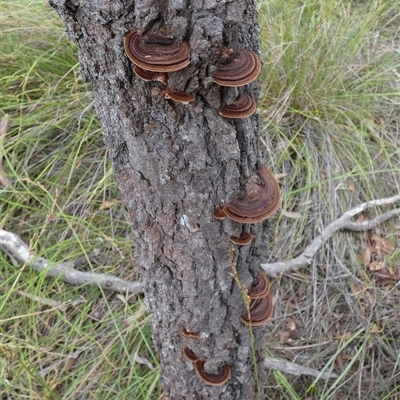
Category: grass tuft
[58,341]
[330,115]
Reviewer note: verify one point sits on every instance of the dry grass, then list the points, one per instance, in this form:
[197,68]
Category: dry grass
[58,341]
[331,124]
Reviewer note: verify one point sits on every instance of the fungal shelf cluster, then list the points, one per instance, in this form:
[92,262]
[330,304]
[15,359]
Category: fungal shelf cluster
[157,54]
[261,302]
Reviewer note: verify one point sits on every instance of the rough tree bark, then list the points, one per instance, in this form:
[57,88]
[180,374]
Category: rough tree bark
[174,164]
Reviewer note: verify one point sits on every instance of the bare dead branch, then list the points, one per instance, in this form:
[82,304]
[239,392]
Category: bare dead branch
[3,131]
[15,247]
[39,299]
[344,222]
[296,369]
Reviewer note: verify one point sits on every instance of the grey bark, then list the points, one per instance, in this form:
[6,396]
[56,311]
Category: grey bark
[174,165]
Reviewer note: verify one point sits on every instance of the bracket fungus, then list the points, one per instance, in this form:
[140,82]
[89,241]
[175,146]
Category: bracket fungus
[156,52]
[237,68]
[219,213]
[244,239]
[190,355]
[181,97]
[192,335]
[260,286]
[150,76]
[242,107]
[217,379]
[261,311]
[259,199]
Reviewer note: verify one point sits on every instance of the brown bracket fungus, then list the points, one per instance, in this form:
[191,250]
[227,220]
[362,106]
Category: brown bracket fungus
[190,355]
[244,239]
[237,68]
[213,379]
[261,311]
[219,213]
[192,335]
[156,52]
[242,107]
[181,97]
[150,76]
[260,286]
[259,199]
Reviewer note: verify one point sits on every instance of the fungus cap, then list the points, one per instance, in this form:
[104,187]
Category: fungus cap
[243,106]
[181,97]
[217,379]
[219,213]
[259,199]
[150,76]
[238,68]
[261,311]
[244,239]
[192,335]
[156,52]
[260,286]
[189,354]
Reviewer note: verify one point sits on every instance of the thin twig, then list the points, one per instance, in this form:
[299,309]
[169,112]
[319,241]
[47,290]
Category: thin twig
[15,247]
[344,222]
[296,369]
[39,299]
[4,181]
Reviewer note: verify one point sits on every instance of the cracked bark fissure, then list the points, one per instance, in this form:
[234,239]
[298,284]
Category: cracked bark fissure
[174,164]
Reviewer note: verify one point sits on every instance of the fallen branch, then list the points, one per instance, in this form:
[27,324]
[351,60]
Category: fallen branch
[3,132]
[296,369]
[15,247]
[344,222]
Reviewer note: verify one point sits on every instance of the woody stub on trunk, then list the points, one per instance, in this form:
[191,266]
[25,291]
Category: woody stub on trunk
[184,147]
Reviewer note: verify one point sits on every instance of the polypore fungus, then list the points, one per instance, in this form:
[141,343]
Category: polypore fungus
[259,199]
[181,97]
[243,239]
[217,379]
[219,213]
[150,76]
[237,68]
[192,335]
[242,107]
[156,51]
[189,354]
[261,311]
[260,286]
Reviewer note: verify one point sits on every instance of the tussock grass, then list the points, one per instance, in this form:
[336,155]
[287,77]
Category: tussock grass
[330,115]
[329,111]
[65,203]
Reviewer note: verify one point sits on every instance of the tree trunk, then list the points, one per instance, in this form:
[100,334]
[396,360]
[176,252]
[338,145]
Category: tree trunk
[175,164]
